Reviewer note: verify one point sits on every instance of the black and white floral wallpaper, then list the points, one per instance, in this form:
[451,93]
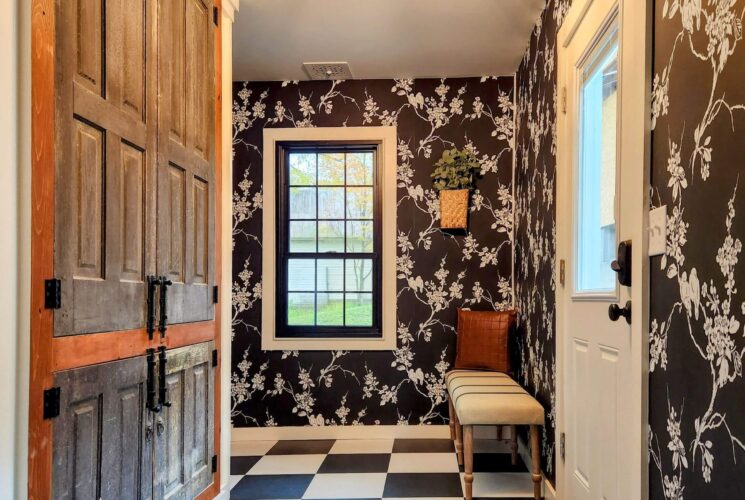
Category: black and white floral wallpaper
[697,391]
[535,218]
[437,272]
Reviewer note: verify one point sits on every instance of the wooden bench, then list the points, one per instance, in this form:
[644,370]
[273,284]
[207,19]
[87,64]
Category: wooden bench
[491,398]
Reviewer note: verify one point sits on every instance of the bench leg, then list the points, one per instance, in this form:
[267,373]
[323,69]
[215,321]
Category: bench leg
[536,456]
[513,443]
[458,439]
[499,433]
[451,410]
[468,452]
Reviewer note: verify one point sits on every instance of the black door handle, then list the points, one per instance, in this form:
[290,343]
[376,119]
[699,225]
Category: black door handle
[164,284]
[152,282]
[162,388]
[615,312]
[151,404]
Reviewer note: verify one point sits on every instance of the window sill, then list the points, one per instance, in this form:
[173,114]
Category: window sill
[385,343]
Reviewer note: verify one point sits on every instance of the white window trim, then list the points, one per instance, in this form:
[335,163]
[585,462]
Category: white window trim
[386,136]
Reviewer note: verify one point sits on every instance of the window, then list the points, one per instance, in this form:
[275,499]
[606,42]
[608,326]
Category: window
[328,245]
[328,274]
[596,206]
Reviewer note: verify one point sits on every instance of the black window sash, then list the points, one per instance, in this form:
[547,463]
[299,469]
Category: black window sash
[283,227]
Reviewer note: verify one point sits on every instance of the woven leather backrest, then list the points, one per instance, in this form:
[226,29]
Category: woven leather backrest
[483,340]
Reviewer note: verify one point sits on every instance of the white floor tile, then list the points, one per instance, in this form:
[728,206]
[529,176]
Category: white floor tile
[346,486]
[501,484]
[250,448]
[287,464]
[349,446]
[423,462]
[234,480]
[425,498]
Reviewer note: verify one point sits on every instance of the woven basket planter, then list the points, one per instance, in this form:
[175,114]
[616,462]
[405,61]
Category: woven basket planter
[454,208]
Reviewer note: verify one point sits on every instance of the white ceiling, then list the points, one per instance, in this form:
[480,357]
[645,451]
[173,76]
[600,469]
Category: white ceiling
[382,38]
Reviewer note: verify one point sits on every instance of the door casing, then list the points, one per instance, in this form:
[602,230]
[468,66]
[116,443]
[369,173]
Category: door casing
[635,37]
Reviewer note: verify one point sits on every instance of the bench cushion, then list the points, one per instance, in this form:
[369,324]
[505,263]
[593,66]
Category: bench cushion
[491,398]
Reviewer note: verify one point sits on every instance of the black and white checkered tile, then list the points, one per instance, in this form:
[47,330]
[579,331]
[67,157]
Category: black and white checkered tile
[401,468]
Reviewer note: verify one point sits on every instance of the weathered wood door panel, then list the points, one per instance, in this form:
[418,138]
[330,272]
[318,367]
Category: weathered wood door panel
[103,442]
[184,430]
[106,143]
[186,193]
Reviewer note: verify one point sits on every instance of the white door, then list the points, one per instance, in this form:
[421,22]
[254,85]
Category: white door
[601,190]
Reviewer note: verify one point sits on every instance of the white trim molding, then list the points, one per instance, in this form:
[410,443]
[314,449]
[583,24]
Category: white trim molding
[386,137]
[241,434]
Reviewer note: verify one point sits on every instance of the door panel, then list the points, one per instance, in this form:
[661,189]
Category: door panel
[105,196]
[102,447]
[186,156]
[185,430]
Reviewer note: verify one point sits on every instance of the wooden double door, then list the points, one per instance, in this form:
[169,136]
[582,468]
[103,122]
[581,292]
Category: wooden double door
[128,360]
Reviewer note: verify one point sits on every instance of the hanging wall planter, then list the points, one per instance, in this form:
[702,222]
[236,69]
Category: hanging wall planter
[454,177]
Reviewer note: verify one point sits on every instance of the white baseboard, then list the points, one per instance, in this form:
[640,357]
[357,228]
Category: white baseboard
[341,432]
[549,493]
[224,493]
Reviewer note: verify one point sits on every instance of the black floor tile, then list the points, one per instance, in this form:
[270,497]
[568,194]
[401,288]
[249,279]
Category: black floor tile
[241,465]
[310,447]
[423,446]
[268,487]
[497,462]
[418,485]
[362,462]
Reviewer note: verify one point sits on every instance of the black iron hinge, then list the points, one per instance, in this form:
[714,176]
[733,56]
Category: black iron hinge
[214,463]
[563,445]
[215,15]
[215,294]
[214,357]
[52,294]
[51,402]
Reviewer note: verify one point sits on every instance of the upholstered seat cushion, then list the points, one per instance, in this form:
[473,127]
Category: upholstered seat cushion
[491,398]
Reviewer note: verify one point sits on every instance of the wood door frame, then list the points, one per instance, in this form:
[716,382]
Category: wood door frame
[47,353]
[636,36]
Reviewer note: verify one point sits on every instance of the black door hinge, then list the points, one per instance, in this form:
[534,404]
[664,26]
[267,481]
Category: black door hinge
[214,463]
[214,357]
[51,402]
[563,446]
[215,294]
[215,15]
[52,294]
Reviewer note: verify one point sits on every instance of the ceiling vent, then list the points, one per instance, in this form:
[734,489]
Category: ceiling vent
[328,71]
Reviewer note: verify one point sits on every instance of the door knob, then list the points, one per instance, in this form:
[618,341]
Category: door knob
[615,312]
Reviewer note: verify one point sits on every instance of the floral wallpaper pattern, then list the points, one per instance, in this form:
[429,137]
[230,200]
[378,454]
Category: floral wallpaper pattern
[535,217]
[696,425]
[437,272]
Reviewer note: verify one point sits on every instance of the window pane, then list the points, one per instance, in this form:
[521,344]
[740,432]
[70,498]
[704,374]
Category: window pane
[359,236]
[302,203]
[360,168]
[360,203]
[302,236]
[330,309]
[331,236]
[359,275]
[358,309]
[330,277]
[301,309]
[331,203]
[301,275]
[596,222]
[302,169]
[331,169]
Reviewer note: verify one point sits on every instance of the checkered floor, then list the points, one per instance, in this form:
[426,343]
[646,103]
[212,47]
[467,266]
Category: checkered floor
[401,468]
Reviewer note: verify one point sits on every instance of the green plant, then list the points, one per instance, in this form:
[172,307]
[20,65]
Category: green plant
[455,170]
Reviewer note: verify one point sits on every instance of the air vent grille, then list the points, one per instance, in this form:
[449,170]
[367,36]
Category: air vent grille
[328,71]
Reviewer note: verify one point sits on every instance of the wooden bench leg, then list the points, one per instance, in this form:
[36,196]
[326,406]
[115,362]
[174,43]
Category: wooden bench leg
[536,456]
[451,410]
[458,439]
[513,443]
[468,452]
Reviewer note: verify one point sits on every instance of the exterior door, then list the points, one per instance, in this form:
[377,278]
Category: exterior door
[600,204]
[186,148]
[106,143]
[185,429]
[103,440]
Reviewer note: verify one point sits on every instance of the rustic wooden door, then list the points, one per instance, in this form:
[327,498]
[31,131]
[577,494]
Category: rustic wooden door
[186,149]
[184,429]
[103,441]
[106,157]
